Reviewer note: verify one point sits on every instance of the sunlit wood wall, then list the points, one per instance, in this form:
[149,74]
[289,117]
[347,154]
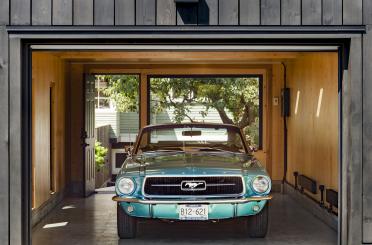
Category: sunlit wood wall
[313,128]
[48,74]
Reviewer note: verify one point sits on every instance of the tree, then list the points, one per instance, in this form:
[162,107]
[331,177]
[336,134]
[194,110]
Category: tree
[123,90]
[236,99]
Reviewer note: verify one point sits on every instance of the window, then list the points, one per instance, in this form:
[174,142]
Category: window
[227,99]
[102,101]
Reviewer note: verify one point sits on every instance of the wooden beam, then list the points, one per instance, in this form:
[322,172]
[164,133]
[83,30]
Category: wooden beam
[174,55]
[144,108]
[176,70]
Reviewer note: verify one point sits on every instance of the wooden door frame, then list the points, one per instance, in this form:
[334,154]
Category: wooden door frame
[20,127]
[262,71]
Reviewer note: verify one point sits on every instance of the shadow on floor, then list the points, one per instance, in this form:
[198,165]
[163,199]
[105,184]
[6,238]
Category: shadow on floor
[93,221]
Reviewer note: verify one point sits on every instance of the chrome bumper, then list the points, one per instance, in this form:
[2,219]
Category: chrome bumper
[170,201]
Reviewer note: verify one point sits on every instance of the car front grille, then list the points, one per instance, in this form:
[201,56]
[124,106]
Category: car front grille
[205,186]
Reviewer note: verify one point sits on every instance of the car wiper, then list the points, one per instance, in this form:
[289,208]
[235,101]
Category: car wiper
[210,149]
[165,151]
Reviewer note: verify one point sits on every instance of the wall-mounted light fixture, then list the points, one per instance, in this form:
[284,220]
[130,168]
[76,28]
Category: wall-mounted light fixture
[320,98]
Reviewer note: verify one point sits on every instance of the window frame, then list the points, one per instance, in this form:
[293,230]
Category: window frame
[227,75]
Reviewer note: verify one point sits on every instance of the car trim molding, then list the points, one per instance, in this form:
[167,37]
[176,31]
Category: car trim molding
[206,201]
[196,196]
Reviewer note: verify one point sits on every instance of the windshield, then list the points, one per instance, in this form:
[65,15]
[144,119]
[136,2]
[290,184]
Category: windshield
[191,139]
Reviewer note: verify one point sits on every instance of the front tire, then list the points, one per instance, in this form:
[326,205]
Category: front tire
[127,225]
[258,224]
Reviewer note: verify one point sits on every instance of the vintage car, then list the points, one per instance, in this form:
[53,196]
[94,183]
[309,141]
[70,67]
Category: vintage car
[193,171]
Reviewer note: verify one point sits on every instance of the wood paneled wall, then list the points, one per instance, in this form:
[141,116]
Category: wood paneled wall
[313,130]
[207,12]
[276,123]
[48,145]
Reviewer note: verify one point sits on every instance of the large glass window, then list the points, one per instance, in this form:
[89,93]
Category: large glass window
[226,99]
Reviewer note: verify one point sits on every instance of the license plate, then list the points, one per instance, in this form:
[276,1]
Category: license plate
[193,212]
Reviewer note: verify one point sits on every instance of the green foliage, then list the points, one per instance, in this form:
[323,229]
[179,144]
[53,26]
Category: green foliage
[100,155]
[236,99]
[123,89]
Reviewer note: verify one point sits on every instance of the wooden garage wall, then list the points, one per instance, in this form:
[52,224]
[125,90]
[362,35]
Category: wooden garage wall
[47,71]
[276,147]
[313,138]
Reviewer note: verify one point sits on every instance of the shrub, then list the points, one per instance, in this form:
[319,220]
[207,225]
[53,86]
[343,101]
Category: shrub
[100,155]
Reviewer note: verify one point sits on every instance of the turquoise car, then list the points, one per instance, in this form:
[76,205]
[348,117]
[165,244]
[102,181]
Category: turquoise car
[193,171]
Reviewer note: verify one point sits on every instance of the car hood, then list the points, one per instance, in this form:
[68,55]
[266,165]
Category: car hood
[193,164]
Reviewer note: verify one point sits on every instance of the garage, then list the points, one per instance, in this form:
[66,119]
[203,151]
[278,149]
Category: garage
[292,126]
[270,95]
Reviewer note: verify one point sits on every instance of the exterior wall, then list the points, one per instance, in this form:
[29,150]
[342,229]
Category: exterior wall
[356,119]
[108,117]
[167,13]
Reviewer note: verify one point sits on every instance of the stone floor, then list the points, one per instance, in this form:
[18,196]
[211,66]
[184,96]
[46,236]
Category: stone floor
[93,221]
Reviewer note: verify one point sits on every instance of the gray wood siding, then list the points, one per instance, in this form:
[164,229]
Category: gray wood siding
[83,12]
[20,11]
[291,12]
[15,143]
[353,142]
[62,12]
[332,12]
[367,137]
[145,12]
[4,124]
[4,12]
[352,12]
[206,12]
[367,12]
[104,12]
[166,12]
[41,12]
[270,12]
[311,12]
[251,10]
[228,12]
[124,12]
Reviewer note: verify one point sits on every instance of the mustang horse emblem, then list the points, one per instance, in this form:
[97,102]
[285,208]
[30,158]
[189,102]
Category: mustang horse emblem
[193,185]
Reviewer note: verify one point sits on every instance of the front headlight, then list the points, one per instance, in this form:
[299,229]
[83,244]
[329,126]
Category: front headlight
[125,186]
[261,184]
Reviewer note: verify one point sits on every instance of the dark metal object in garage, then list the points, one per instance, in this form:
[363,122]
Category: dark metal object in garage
[332,198]
[307,183]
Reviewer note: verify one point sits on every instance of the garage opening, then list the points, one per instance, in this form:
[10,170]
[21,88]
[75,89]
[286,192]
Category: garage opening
[88,107]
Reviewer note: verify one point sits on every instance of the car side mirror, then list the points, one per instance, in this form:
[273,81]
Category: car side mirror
[130,151]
